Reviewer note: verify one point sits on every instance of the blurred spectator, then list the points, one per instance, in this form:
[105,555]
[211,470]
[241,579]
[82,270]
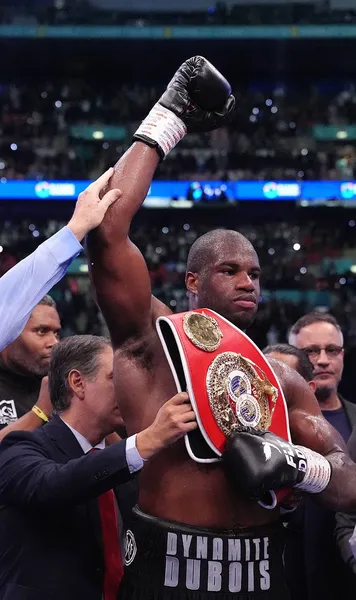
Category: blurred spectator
[72,129]
[23,364]
[303,265]
[59,12]
[320,336]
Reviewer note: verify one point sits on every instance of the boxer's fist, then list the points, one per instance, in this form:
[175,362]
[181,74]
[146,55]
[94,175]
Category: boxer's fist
[199,95]
[261,461]
[197,99]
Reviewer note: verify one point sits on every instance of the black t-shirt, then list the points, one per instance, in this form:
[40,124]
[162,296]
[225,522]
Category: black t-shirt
[314,568]
[327,575]
[18,394]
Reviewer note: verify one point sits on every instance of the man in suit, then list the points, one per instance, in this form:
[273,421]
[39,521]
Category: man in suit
[320,336]
[59,516]
[345,527]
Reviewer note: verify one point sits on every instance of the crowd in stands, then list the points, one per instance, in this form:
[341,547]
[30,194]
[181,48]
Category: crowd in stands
[59,130]
[82,12]
[303,266]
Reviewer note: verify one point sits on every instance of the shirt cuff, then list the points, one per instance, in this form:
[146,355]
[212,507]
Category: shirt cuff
[63,245]
[133,459]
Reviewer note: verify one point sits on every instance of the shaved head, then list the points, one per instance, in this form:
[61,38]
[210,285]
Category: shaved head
[223,275]
[210,245]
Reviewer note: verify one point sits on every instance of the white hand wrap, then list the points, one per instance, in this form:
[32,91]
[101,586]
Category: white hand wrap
[317,473]
[163,127]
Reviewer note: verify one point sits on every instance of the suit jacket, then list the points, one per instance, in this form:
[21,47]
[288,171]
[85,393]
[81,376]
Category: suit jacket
[51,545]
[346,522]
[301,578]
[350,410]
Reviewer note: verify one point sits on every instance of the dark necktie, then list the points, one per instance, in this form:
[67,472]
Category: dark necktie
[112,553]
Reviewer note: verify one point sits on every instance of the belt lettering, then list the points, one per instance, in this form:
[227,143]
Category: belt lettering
[235,577]
[257,542]
[171,576]
[234,546]
[187,540]
[214,576]
[193,574]
[214,564]
[202,547]
[265,546]
[251,579]
[265,581]
[217,549]
[172,543]
[247,542]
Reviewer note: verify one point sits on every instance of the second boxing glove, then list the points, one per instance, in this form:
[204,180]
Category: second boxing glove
[197,99]
[261,461]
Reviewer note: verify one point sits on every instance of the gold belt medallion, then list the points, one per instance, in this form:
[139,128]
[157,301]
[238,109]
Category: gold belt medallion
[240,393]
[203,331]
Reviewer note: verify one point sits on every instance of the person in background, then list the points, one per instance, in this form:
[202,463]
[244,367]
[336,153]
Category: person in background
[64,496]
[23,286]
[320,337]
[294,556]
[24,398]
[345,527]
[294,358]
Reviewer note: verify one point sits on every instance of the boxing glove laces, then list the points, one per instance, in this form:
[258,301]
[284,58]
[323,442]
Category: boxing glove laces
[259,462]
[197,99]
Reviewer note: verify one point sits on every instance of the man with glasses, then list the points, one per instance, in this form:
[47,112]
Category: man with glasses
[320,336]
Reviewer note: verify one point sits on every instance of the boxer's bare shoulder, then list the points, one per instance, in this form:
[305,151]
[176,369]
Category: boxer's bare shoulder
[307,424]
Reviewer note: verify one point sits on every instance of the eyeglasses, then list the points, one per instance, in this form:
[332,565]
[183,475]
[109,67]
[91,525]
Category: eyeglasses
[330,351]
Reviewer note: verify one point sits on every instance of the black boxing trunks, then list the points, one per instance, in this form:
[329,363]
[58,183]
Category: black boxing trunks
[165,560]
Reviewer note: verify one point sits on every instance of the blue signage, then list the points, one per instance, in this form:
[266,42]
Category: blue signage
[189,193]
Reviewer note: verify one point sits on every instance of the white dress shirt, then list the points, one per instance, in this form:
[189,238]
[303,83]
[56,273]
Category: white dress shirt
[133,458]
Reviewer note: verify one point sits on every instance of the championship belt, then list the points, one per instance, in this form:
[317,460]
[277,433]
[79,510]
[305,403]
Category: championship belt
[231,385]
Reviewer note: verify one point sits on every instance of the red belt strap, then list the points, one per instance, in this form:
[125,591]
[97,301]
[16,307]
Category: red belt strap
[229,381]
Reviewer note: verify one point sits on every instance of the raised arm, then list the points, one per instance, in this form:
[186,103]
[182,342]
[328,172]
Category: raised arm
[118,270]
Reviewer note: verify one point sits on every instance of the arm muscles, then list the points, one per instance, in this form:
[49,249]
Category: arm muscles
[118,269]
[309,428]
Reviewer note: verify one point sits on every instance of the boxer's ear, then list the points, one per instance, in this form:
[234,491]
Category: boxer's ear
[192,282]
[312,386]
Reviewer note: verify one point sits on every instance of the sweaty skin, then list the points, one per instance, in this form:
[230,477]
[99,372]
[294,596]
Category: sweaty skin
[172,486]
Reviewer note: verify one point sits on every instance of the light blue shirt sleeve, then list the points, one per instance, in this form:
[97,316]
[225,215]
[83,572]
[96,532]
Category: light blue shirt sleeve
[26,283]
[133,459]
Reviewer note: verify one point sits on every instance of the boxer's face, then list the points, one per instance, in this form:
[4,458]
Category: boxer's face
[324,345]
[229,284]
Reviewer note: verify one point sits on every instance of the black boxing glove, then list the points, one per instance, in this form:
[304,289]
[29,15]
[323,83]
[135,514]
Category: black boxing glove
[197,99]
[259,462]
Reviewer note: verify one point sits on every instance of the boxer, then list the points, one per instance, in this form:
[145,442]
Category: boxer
[199,530]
